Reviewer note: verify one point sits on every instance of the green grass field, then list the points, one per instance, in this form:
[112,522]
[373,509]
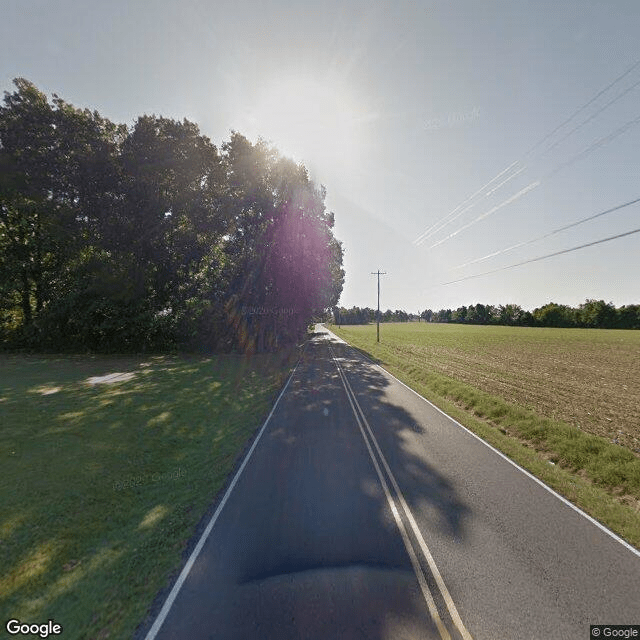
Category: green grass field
[564,403]
[103,481]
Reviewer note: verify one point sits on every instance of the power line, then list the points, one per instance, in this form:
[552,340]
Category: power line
[592,147]
[549,255]
[592,116]
[445,220]
[584,106]
[423,236]
[486,214]
[549,234]
[513,175]
[473,204]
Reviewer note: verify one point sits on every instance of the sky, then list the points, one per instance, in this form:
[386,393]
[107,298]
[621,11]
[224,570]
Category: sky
[444,132]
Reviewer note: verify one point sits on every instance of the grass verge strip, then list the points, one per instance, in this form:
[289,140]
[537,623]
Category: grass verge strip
[601,478]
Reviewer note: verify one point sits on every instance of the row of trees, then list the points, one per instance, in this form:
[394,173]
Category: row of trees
[591,314]
[122,238]
[364,315]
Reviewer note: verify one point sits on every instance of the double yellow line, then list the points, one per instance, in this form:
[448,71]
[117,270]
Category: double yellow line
[372,443]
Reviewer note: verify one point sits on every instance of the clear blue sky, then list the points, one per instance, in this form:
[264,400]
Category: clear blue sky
[402,110]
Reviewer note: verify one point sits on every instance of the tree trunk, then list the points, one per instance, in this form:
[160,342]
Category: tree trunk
[26,298]
[260,345]
[38,280]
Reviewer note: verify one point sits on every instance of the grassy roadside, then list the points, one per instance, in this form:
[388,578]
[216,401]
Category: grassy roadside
[597,475]
[103,481]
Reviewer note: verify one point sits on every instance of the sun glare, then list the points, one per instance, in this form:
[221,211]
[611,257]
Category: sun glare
[315,123]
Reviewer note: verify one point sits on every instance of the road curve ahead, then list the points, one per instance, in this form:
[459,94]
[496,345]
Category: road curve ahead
[364,512]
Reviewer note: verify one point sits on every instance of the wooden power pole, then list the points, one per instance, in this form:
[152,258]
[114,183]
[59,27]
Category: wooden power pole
[378,273]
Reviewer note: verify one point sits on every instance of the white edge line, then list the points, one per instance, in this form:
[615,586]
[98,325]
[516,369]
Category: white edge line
[624,543]
[205,534]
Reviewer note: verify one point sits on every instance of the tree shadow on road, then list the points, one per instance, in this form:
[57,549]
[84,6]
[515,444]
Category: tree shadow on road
[393,426]
[322,546]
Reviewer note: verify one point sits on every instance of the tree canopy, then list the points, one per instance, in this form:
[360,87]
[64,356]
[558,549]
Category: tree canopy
[149,236]
[591,314]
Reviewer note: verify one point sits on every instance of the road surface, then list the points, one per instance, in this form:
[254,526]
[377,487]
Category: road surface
[364,512]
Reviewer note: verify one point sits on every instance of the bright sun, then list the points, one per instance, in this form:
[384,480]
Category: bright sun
[315,123]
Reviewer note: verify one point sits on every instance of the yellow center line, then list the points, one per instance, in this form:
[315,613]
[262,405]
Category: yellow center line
[453,611]
[431,605]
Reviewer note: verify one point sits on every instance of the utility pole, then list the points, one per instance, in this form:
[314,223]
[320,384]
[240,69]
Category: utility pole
[378,273]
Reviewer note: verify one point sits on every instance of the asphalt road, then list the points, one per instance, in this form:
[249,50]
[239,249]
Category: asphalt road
[364,512]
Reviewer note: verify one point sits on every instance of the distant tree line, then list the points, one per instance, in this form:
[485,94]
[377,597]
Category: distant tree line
[591,314]
[118,238]
[357,315]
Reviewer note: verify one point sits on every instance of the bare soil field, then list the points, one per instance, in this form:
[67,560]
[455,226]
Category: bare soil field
[588,378]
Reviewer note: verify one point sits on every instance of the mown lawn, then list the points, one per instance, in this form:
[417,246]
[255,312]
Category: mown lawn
[103,481]
[564,403]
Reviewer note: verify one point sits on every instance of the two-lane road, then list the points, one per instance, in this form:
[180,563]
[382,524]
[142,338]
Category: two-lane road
[362,511]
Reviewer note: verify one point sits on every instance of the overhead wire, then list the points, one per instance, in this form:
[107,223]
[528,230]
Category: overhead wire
[592,116]
[447,219]
[486,214]
[594,145]
[547,235]
[548,255]
[584,106]
[513,175]
[423,236]
[470,206]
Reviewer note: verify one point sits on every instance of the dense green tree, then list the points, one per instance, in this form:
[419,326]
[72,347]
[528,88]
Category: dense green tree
[478,314]
[355,315]
[444,315]
[593,313]
[596,313]
[57,170]
[555,315]
[628,317]
[527,319]
[285,265]
[427,315]
[31,218]
[510,314]
[124,238]
[459,315]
